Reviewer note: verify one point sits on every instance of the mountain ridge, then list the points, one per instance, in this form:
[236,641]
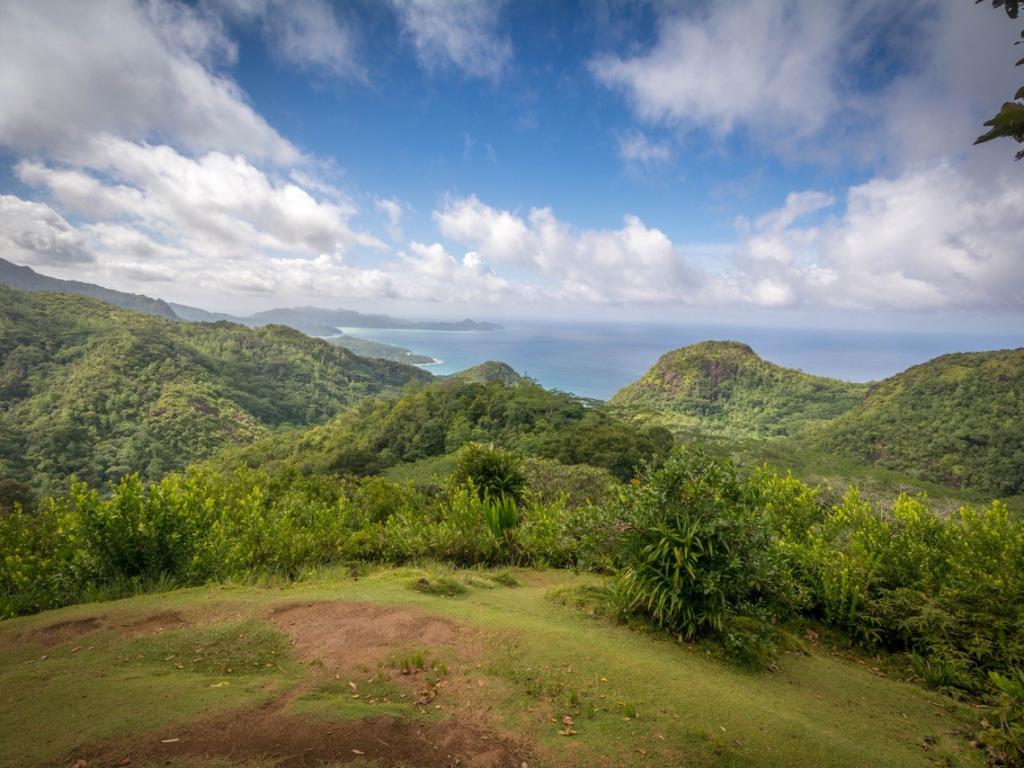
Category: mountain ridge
[317,321]
[25,278]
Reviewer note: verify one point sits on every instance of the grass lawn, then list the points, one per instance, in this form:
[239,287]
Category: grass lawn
[367,671]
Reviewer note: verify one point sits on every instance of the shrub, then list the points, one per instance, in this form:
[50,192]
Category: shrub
[1005,737]
[493,472]
[696,551]
[577,484]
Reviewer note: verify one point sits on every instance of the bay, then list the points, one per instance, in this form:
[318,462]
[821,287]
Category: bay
[597,359]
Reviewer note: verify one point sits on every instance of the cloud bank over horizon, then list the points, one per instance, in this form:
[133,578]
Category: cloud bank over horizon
[138,157]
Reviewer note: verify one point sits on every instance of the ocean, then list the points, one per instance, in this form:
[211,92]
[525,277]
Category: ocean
[597,359]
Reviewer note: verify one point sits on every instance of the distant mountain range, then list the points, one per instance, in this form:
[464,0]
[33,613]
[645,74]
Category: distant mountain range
[26,279]
[97,392]
[326,322]
[312,321]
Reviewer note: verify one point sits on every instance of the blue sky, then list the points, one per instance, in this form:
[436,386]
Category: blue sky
[779,161]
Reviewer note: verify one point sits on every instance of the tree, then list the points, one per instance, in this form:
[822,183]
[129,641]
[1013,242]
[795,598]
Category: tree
[1009,122]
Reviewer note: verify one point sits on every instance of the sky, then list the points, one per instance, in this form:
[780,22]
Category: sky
[786,162]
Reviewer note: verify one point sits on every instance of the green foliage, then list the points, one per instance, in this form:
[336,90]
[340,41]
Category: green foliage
[1009,121]
[191,528]
[494,474]
[206,526]
[440,585]
[434,420]
[488,373]
[501,513]
[367,348]
[723,387]
[1005,737]
[955,419]
[600,441]
[697,551]
[90,390]
[577,484]
[948,590]
[15,494]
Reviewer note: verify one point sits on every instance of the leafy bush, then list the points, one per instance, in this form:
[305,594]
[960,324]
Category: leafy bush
[696,551]
[1005,737]
[493,473]
[578,484]
[949,590]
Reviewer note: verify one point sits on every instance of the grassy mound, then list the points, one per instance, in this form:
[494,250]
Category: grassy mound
[394,674]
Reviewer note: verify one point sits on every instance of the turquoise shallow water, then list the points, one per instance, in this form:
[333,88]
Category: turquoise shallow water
[595,360]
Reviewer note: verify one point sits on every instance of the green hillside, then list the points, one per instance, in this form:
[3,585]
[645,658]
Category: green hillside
[440,418]
[96,391]
[724,388]
[488,372]
[367,348]
[957,419]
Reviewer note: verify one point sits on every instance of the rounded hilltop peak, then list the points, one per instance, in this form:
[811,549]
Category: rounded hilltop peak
[704,365]
[488,372]
[724,387]
[714,347]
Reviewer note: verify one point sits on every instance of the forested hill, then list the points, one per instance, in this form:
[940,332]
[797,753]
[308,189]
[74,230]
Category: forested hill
[957,419]
[97,391]
[440,418]
[724,388]
[488,372]
[26,279]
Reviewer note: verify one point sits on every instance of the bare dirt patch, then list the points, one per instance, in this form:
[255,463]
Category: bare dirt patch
[352,635]
[268,734]
[65,631]
[151,625]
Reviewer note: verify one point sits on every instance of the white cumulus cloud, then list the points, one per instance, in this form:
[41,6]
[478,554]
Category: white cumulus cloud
[923,240]
[137,70]
[769,64]
[633,264]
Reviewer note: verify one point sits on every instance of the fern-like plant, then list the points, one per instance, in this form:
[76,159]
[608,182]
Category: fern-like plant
[1005,737]
[501,513]
[697,551]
